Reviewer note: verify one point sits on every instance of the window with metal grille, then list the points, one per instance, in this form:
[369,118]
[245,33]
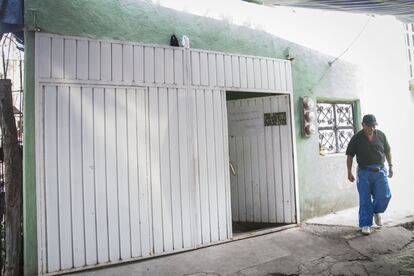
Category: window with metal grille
[335,126]
[409,39]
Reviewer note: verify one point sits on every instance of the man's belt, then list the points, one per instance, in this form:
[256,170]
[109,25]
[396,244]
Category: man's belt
[375,169]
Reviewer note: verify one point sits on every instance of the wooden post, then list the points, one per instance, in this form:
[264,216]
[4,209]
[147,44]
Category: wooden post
[13,182]
[1,234]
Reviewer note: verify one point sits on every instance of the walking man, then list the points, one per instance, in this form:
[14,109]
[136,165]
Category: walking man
[371,149]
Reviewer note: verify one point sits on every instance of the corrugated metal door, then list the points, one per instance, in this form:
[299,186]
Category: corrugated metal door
[132,148]
[117,173]
[262,190]
[212,195]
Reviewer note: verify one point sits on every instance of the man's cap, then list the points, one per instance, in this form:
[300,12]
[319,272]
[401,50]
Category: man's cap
[369,120]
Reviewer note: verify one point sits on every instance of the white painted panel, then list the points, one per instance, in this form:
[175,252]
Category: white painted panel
[210,222]
[185,164]
[262,189]
[127,63]
[178,67]
[76,176]
[212,69]
[221,165]
[122,172]
[159,65]
[202,166]
[286,157]
[176,200]
[241,183]
[65,207]
[264,195]
[289,76]
[143,172]
[70,60]
[204,69]
[169,66]
[264,74]
[277,158]
[211,164]
[88,175]
[250,73]
[228,72]
[235,70]
[270,174]
[57,58]
[138,64]
[111,174]
[100,175]
[94,60]
[132,160]
[226,162]
[165,169]
[283,76]
[149,64]
[243,72]
[257,73]
[51,179]
[271,74]
[195,68]
[106,61]
[82,60]
[220,69]
[43,53]
[105,123]
[124,62]
[154,144]
[195,196]
[286,106]
[247,159]
[234,175]
[278,79]
[117,62]
[254,140]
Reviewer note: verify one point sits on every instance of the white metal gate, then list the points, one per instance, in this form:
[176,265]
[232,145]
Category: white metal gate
[132,148]
[262,190]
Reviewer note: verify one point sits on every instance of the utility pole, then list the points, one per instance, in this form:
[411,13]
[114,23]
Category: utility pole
[13,182]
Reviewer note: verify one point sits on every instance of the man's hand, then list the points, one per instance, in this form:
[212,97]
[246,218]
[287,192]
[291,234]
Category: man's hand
[390,172]
[351,177]
[349,168]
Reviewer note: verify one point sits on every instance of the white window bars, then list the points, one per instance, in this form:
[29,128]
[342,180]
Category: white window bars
[335,126]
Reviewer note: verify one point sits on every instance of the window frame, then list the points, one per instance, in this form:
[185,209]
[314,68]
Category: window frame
[336,128]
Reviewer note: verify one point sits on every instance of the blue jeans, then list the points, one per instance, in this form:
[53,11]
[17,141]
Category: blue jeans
[374,194]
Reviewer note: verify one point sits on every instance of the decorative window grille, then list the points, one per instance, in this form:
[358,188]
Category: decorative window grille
[409,39]
[335,126]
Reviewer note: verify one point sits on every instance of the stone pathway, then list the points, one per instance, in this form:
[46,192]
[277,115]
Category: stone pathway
[308,250]
[388,251]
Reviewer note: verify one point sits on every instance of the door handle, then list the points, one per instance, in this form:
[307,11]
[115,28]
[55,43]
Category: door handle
[233,171]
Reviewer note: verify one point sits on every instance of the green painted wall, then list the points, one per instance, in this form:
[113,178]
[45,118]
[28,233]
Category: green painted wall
[29,175]
[322,180]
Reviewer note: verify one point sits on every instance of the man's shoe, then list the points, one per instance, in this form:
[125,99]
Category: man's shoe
[366,230]
[378,219]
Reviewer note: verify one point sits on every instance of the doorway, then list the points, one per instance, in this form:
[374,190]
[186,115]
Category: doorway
[261,161]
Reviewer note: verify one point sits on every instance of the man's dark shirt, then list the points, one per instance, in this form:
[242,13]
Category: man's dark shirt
[368,153]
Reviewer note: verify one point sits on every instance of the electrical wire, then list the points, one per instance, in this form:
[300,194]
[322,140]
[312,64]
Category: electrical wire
[352,43]
[330,63]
